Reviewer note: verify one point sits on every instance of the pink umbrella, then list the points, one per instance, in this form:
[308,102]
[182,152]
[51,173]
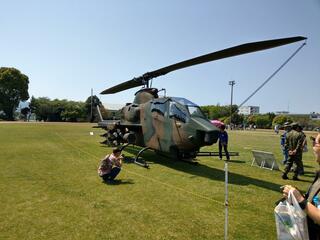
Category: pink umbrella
[217,123]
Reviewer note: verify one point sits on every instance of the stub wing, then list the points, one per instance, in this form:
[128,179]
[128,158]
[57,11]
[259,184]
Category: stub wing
[113,124]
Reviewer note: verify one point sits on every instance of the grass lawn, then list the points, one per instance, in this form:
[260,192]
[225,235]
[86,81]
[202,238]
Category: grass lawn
[50,189]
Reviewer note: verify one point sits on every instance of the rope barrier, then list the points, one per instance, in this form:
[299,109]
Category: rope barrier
[142,176]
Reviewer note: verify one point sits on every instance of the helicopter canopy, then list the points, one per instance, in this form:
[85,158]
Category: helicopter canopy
[193,109]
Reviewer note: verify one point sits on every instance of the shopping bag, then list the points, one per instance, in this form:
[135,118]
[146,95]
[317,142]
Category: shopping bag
[291,220]
[305,148]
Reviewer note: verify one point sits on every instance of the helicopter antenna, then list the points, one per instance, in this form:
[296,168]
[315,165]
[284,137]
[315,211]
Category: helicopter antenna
[272,75]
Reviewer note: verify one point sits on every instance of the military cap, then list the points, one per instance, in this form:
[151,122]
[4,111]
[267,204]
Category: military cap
[294,124]
[286,124]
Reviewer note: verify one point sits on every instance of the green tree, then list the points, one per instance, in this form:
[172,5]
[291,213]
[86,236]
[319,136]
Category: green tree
[57,110]
[281,119]
[41,107]
[73,111]
[13,89]
[219,112]
[263,121]
[24,113]
[95,103]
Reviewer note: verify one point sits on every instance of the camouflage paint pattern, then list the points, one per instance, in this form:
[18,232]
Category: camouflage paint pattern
[150,120]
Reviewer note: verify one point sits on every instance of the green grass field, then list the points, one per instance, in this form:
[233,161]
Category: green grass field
[50,189]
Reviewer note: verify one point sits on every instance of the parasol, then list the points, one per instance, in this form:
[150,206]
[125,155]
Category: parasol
[217,123]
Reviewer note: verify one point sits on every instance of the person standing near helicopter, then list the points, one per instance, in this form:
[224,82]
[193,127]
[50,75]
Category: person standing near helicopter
[223,142]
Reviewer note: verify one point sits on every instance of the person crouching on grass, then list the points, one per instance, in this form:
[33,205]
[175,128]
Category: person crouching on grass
[110,165]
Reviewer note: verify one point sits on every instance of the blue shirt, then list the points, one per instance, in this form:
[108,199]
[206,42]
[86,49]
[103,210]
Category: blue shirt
[223,137]
[283,138]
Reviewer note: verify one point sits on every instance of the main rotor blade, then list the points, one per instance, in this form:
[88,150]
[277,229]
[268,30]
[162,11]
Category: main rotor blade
[229,52]
[124,86]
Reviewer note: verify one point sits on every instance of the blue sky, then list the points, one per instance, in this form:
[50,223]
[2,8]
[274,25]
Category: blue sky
[68,47]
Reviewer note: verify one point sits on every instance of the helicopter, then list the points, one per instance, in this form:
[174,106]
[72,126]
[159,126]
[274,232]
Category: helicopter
[173,126]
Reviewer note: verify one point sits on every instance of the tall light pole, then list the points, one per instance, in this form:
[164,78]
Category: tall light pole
[226,200]
[231,83]
[91,112]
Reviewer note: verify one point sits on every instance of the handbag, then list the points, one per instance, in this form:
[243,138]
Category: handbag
[305,148]
[291,220]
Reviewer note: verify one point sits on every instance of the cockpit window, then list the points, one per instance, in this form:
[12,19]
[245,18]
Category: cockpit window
[158,107]
[193,108]
[178,112]
[195,111]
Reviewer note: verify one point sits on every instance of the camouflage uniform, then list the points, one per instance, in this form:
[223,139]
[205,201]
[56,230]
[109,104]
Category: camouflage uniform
[293,143]
[303,143]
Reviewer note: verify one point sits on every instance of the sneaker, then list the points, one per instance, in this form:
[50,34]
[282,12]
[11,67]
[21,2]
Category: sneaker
[220,158]
[285,177]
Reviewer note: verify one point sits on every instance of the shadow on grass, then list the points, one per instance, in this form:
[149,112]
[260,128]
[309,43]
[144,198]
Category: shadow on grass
[237,161]
[309,174]
[118,182]
[307,166]
[203,170]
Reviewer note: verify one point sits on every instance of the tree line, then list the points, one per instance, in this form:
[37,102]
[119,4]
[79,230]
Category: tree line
[264,121]
[14,89]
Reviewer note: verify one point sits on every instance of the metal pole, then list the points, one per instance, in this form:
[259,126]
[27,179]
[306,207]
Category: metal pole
[91,119]
[232,83]
[226,202]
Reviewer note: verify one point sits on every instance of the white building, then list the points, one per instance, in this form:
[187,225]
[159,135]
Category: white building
[315,116]
[248,110]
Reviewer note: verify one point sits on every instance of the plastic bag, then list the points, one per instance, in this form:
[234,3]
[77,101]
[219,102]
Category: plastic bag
[291,220]
[305,148]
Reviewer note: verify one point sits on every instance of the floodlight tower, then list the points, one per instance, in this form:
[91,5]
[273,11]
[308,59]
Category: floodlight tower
[226,201]
[231,83]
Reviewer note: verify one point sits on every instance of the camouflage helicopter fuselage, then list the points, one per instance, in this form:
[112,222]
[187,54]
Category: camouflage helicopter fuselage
[169,125]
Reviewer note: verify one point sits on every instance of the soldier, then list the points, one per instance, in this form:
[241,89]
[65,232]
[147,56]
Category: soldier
[293,144]
[287,128]
[303,147]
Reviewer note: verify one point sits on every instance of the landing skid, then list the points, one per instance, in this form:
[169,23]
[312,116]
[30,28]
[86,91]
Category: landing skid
[139,161]
[143,163]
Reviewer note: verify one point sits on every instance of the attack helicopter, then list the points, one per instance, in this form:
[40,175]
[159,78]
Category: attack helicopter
[173,126]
